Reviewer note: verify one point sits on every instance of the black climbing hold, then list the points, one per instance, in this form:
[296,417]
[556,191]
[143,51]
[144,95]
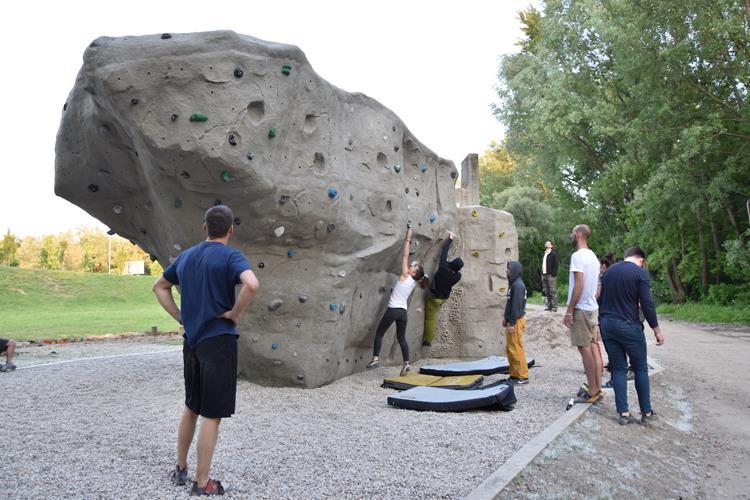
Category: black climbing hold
[261,265]
[93,188]
[153,258]
[396,148]
[416,191]
[238,72]
[232,140]
[185,174]
[406,190]
[217,202]
[65,106]
[286,69]
[300,377]
[143,231]
[302,298]
[237,221]
[165,36]
[198,117]
[250,155]
[174,116]
[94,44]
[111,232]
[283,199]
[275,304]
[342,309]
[331,227]
[454,174]
[397,168]
[134,101]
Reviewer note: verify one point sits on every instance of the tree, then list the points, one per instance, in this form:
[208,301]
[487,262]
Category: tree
[9,249]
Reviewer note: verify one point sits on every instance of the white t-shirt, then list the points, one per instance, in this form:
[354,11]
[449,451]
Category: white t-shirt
[401,292]
[585,261]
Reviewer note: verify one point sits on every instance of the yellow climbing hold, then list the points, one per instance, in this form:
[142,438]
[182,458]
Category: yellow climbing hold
[475,213]
[501,234]
[475,253]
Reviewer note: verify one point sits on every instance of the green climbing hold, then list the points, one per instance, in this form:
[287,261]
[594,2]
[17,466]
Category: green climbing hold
[286,69]
[226,176]
[397,168]
[272,132]
[177,203]
[198,117]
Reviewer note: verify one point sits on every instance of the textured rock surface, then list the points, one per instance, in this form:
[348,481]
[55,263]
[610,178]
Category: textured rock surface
[322,182]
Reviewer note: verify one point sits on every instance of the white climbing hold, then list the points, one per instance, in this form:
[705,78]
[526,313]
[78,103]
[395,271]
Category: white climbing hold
[279,231]
[177,247]
[342,273]
[117,209]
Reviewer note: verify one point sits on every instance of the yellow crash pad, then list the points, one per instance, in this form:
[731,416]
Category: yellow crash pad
[417,379]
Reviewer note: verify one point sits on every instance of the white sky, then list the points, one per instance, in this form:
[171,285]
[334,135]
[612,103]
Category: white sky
[433,63]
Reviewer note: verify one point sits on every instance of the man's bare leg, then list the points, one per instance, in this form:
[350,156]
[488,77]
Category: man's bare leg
[185,433]
[597,366]
[207,437]
[11,348]
[590,363]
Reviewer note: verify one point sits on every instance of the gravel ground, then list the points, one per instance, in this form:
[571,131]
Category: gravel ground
[105,427]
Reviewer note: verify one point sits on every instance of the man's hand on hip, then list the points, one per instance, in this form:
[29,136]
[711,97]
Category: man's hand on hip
[231,316]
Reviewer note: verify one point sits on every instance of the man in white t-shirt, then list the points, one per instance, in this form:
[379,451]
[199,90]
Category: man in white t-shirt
[581,316]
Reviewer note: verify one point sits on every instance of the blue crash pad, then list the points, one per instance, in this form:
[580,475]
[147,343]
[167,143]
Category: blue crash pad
[497,397]
[486,366]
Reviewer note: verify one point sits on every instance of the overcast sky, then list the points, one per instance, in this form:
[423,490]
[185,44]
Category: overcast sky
[434,63]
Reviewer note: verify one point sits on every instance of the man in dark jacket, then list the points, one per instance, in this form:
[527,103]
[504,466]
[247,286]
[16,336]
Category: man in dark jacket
[447,275]
[550,262]
[514,322]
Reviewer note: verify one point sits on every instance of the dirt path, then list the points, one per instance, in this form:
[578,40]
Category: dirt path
[699,449]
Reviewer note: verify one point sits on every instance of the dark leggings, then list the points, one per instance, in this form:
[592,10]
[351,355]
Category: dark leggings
[391,315]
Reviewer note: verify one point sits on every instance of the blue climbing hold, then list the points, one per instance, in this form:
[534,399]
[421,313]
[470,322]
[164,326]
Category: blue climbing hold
[332,192]
[423,168]
[291,254]
[333,307]
[433,218]
[274,346]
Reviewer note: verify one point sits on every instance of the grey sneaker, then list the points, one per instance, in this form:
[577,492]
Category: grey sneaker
[648,418]
[373,364]
[212,488]
[518,380]
[406,369]
[179,476]
[623,419]
[8,368]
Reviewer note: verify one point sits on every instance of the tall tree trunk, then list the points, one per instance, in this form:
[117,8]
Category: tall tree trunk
[704,258]
[733,219]
[717,249]
[676,287]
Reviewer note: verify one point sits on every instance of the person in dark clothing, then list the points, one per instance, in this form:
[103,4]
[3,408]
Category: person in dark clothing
[550,262]
[514,321]
[447,275]
[625,285]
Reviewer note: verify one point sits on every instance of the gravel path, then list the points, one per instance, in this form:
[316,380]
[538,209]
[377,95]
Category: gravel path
[105,427]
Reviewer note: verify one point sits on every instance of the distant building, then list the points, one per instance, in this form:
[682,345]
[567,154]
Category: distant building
[135,267]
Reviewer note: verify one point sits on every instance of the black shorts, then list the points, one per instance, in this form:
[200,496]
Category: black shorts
[3,345]
[211,376]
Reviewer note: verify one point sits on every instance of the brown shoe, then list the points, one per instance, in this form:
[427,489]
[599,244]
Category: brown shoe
[212,488]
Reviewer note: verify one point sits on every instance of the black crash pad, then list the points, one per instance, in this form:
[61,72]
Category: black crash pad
[486,366]
[496,397]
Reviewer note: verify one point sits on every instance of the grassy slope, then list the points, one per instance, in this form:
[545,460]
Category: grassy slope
[48,304]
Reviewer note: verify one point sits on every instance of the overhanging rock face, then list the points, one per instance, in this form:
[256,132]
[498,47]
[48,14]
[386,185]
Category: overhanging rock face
[159,128]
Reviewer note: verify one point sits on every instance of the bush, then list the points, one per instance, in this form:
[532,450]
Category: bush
[728,295]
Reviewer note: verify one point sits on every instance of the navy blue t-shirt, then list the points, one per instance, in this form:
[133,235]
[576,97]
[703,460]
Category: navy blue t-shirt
[207,274]
[625,286]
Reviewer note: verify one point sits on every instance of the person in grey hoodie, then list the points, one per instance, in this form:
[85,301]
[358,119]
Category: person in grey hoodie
[514,322]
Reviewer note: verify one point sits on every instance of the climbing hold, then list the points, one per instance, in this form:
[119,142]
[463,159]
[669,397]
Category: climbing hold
[302,298]
[342,309]
[475,253]
[433,218]
[416,191]
[300,377]
[177,203]
[277,363]
[332,192]
[134,101]
[198,117]
[237,221]
[238,72]
[217,202]
[286,69]
[174,116]
[279,231]
[93,188]
[501,289]
[177,247]
[111,232]
[272,133]
[275,304]
[255,339]
[397,168]
[251,155]
[226,176]
[261,265]
[65,106]
[153,258]
[117,209]
[454,174]
[94,44]
[396,148]
[165,36]
[283,199]
[185,174]
[501,234]
[423,168]
[291,254]
[232,140]
[342,274]
[331,227]
[475,213]
[332,307]
[406,190]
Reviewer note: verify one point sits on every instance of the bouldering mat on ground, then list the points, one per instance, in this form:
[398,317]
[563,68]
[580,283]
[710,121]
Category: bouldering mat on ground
[417,379]
[486,366]
[499,397]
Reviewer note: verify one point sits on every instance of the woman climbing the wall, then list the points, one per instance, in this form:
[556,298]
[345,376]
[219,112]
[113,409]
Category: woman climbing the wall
[411,276]
[447,275]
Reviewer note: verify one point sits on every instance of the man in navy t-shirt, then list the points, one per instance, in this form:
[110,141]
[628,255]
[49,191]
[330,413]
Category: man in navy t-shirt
[207,274]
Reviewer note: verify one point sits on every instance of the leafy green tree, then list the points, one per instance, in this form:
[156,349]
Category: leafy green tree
[9,249]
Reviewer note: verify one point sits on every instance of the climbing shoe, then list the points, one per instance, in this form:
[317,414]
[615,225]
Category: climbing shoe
[584,389]
[8,368]
[406,369]
[588,398]
[212,488]
[373,364]
[518,380]
[426,344]
[624,419]
[179,476]
[647,418]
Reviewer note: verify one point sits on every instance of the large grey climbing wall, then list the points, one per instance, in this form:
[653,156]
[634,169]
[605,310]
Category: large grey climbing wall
[322,182]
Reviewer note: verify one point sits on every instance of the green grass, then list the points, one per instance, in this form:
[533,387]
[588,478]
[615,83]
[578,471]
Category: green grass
[706,313]
[53,304]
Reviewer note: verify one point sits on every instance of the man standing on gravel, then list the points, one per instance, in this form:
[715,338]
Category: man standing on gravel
[625,286]
[207,274]
[550,261]
[581,316]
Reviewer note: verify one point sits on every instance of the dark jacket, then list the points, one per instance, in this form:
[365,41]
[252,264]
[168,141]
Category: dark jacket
[624,287]
[447,274]
[552,263]
[515,307]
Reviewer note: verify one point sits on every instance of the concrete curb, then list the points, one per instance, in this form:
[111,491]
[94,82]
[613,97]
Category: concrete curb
[498,480]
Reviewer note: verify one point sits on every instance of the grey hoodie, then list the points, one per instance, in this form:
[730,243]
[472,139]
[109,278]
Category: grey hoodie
[515,307]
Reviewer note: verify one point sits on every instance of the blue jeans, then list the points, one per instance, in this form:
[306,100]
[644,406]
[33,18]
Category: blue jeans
[622,337]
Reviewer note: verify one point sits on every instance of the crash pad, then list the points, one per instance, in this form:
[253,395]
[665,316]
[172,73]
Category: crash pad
[485,366]
[497,397]
[417,379]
